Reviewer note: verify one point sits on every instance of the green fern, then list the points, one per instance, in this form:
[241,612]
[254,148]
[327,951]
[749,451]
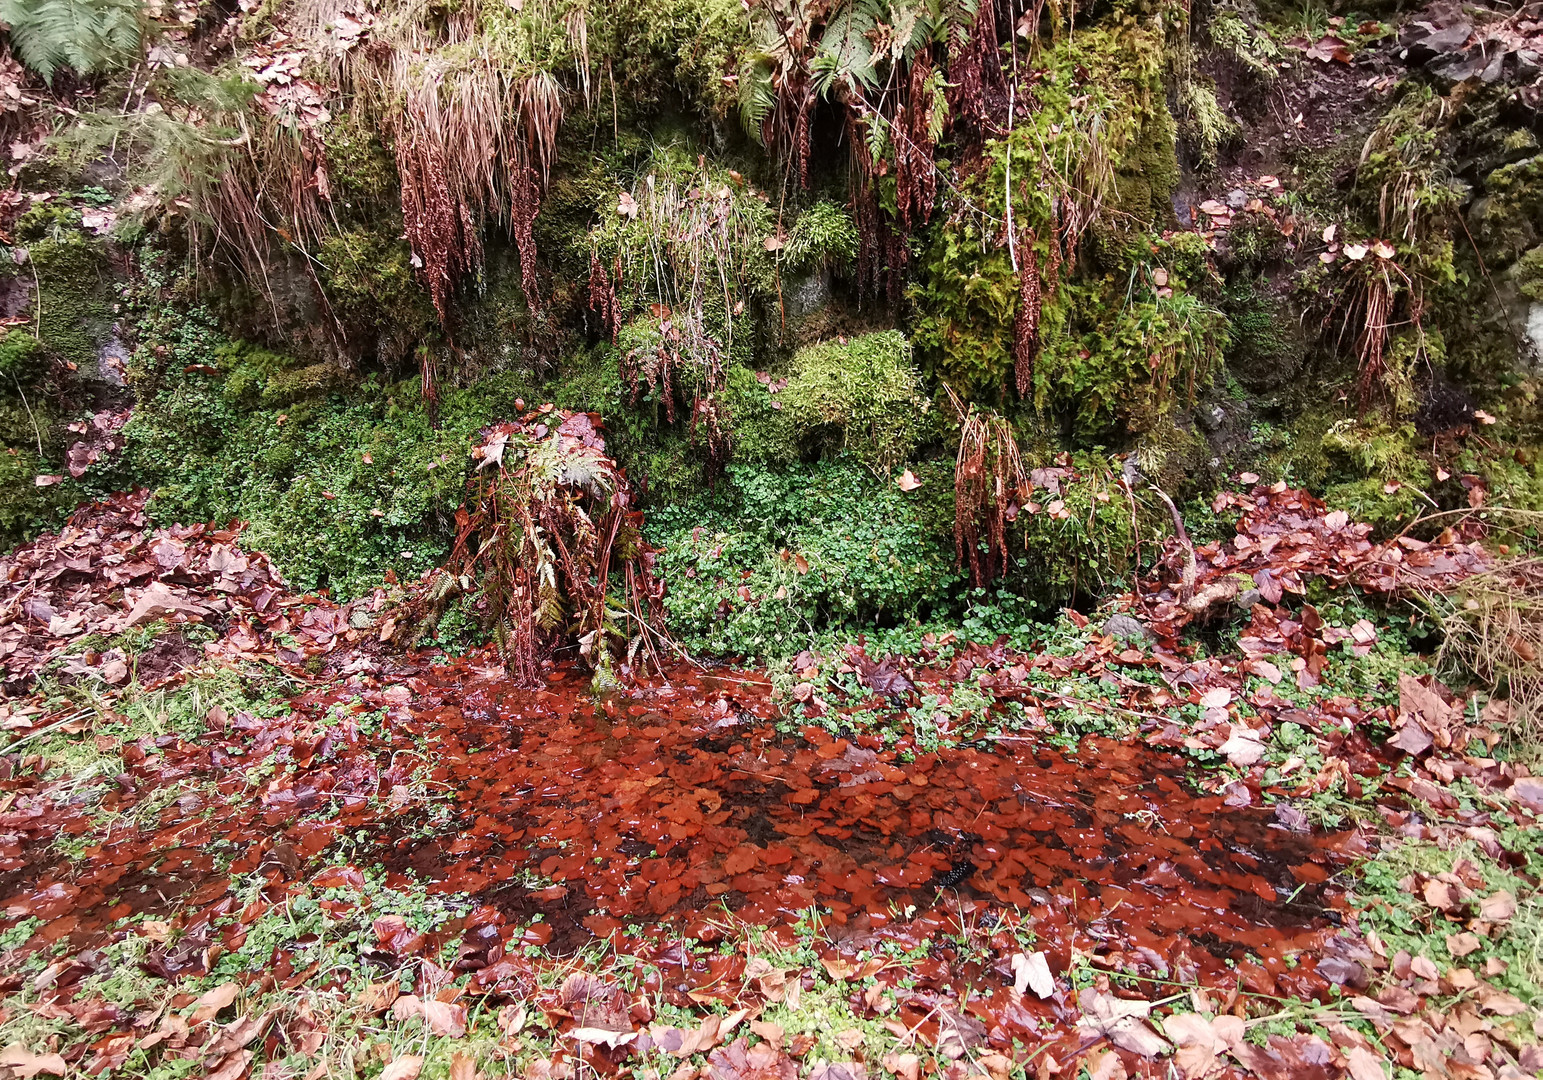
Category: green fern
[85,35]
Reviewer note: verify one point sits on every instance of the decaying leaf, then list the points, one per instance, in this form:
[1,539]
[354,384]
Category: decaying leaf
[1122,1021]
[24,1064]
[1244,746]
[209,1005]
[1031,971]
[403,1068]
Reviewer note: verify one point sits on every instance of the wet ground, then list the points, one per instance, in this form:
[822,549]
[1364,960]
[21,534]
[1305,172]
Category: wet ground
[668,807]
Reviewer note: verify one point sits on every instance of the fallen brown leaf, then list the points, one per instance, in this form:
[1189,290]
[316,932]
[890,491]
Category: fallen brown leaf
[24,1064]
[209,1005]
[403,1068]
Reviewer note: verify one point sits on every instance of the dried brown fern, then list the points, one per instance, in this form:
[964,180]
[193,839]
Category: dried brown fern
[1026,322]
[990,485]
[471,146]
[916,178]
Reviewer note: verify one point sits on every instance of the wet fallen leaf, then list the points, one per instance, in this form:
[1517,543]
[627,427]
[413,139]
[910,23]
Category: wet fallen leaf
[377,997]
[997,1066]
[464,1067]
[1107,1066]
[1463,944]
[740,1061]
[1499,1002]
[603,1037]
[1196,1044]
[908,481]
[1499,907]
[772,1033]
[1031,971]
[1364,1065]
[1122,1021]
[232,1067]
[904,1066]
[849,1040]
[1243,747]
[238,1035]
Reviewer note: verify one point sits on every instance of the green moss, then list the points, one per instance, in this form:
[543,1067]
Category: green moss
[1530,274]
[370,282]
[1206,125]
[1505,220]
[337,487]
[22,360]
[860,395]
[1119,350]
[1079,544]
[73,313]
[360,168]
[763,434]
[1260,347]
[25,508]
[1100,134]
[823,236]
[1375,471]
[1253,49]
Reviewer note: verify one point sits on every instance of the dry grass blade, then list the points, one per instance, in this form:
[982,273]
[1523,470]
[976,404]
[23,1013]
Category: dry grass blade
[1494,628]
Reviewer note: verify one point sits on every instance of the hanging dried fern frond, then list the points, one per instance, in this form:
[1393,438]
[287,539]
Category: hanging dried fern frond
[989,488]
[471,147]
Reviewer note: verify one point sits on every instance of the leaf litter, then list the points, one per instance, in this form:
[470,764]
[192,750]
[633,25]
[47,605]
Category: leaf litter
[678,809]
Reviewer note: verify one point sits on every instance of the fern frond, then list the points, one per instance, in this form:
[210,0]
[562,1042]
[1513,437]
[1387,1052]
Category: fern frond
[846,52]
[85,35]
[757,97]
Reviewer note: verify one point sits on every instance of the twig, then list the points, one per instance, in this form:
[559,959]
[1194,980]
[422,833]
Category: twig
[1187,583]
[35,429]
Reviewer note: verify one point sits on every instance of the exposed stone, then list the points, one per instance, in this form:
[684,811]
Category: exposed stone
[1127,628]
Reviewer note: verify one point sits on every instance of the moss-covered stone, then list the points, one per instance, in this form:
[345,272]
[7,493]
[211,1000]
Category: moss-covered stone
[73,311]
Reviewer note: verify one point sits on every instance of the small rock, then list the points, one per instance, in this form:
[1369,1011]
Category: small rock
[1237,198]
[1246,599]
[1127,628]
